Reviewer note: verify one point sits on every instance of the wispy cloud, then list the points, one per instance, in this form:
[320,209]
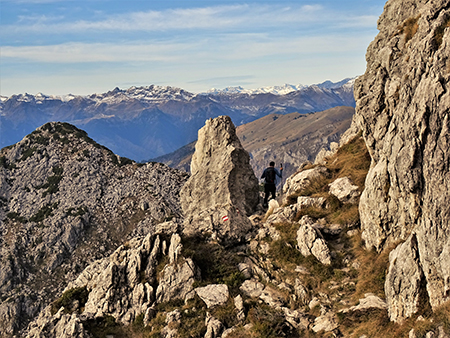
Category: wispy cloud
[227,48]
[214,18]
[97,52]
[109,42]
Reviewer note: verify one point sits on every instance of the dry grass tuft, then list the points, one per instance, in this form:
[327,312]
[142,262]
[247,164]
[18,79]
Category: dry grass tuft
[409,28]
[439,33]
[372,271]
[352,160]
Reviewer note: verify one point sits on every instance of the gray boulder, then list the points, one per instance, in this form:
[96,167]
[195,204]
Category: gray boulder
[214,327]
[300,181]
[310,241]
[213,294]
[344,189]
[223,190]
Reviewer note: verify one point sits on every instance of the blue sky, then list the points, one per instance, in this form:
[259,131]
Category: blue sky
[85,46]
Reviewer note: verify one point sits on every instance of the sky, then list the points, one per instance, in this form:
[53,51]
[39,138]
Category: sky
[81,47]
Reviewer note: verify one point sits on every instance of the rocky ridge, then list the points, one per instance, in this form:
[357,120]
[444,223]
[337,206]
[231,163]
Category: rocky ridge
[175,283]
[66,201]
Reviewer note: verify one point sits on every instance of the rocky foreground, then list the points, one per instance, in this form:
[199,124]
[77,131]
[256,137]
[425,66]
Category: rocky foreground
[208,276]
[94,245]
[299,269]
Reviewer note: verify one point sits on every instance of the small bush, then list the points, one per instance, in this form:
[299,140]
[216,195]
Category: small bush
[42,140]
[67,299]
[268,322]
[3,162]
[52,184]
[217,264]
[28,153]
[125,161]
[16,217]
[44,212]
[226,314]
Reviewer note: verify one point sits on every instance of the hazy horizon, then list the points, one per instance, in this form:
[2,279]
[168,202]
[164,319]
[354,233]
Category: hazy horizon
[61,47]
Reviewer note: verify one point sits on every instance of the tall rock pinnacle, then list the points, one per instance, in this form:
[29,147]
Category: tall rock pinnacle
[223,189]
[402,107]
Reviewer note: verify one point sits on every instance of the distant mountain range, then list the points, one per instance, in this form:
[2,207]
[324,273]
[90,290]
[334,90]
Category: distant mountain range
[145,122]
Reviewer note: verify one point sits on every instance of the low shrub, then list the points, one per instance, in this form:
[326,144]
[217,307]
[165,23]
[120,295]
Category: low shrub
[68,298]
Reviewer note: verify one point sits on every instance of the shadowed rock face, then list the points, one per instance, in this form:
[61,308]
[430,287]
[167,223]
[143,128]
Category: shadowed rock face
[403,103]
[222,184]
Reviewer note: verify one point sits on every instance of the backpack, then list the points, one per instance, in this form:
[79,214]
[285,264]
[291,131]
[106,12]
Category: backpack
[270,175]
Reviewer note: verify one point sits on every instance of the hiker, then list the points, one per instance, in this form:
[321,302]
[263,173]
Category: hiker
[270,186]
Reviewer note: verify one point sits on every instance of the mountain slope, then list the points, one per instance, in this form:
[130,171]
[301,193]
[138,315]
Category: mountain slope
[66,201]
[145,122]
[290,139]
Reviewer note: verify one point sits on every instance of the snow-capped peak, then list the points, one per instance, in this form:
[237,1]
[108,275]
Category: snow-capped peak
[277,90]
[281,90]
[151,93]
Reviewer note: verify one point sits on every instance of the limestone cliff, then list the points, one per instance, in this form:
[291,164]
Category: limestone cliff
[222,184]
[402,107]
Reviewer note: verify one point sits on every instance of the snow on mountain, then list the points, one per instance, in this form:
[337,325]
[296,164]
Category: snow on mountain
[348,82]
[146,122]
[281,90]
[151,93]
[277,90]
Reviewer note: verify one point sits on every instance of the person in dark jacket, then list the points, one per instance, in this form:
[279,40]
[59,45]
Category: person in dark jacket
[270,181]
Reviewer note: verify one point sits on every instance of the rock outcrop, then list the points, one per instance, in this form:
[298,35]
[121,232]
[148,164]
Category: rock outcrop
[403,106]
[66,201]
[310,241]
[122,286]
[222,190]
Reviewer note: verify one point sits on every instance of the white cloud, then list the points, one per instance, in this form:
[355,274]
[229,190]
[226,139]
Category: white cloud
[96,52]
[215,18]
[226,48]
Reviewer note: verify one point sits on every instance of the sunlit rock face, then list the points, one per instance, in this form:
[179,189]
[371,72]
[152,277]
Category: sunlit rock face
[223,188]
[402,107]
